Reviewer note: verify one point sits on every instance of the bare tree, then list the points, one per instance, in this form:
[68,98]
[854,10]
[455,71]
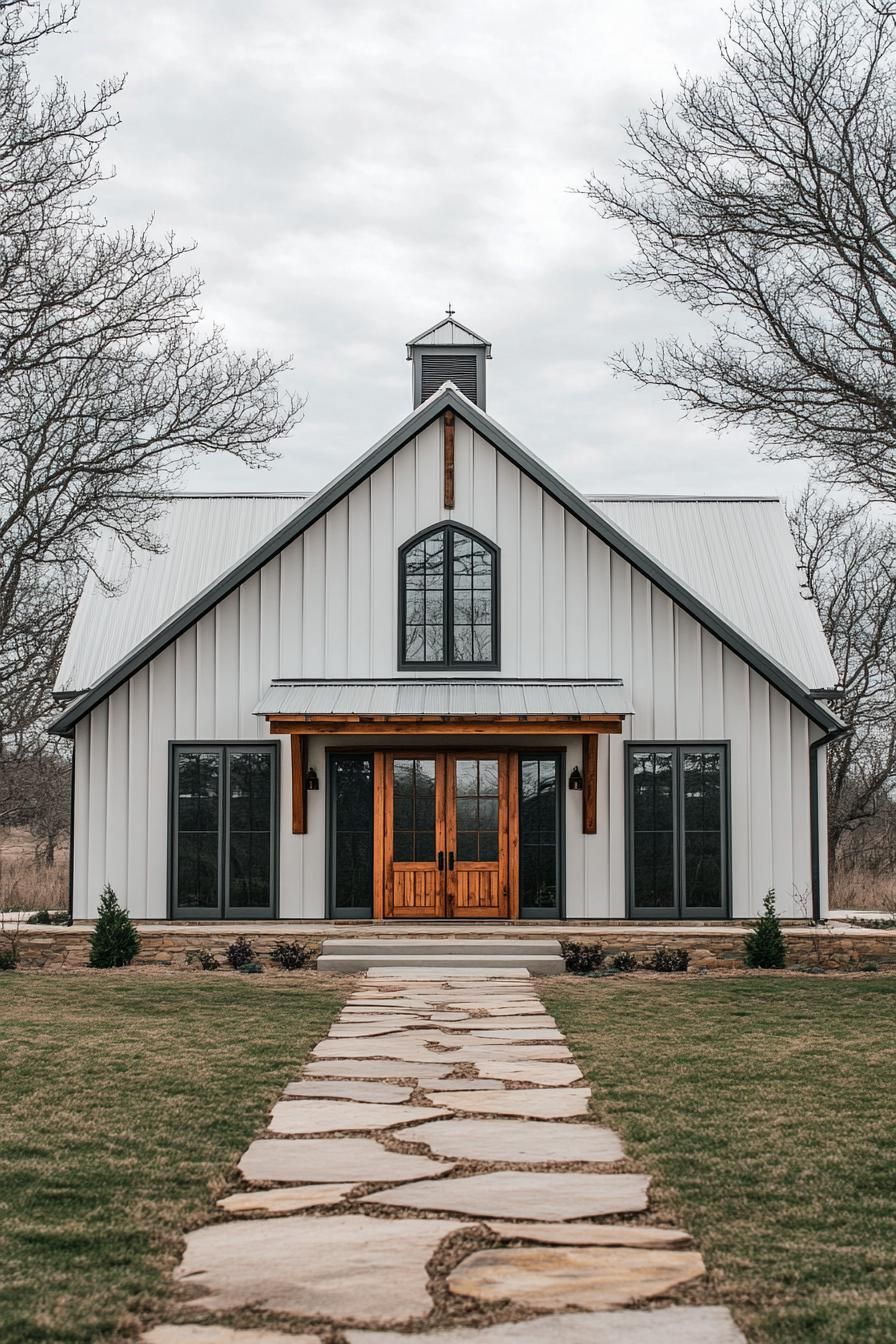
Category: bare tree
[849,559]
[764,199]
[111,381]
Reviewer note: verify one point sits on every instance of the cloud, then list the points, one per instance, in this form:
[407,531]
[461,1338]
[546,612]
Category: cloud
[348,166]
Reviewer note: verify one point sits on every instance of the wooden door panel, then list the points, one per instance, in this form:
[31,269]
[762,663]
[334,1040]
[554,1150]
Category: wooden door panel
[414,836]
[416,893]
[476,835]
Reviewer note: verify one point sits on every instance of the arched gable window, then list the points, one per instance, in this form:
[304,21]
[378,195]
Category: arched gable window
[448,600]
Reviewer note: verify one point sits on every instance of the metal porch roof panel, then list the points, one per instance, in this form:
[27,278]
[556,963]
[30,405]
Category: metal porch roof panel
[414,698]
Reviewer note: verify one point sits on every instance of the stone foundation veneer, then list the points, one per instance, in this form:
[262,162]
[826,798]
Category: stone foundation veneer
[56,947]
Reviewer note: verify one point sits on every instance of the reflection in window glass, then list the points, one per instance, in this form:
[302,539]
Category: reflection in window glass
[449,600]
[198,782]
[413,811]
[351,818]
[653,806]
[476,810]
[249,828]
[677,818]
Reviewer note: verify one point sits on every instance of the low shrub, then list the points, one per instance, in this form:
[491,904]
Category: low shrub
[624,961]
[764,945]
[289,956]
[115,940]
[240,953]
[582,958]
[202,958]
[668,959]
[8,958]
[39,917]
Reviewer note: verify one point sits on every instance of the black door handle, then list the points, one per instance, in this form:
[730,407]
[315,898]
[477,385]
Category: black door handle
[451,859]
[441,859]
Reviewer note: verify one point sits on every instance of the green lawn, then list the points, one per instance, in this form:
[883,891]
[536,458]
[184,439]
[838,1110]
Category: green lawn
[125,1100]
[765,1109]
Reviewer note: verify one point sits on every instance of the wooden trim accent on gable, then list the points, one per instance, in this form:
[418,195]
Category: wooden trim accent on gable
[299,797]
[448,420]
[429,725]
[589,787]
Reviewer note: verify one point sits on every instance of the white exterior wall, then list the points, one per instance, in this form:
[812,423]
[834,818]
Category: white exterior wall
[327,607]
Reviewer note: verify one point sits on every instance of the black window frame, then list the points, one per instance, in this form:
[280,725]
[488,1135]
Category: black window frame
[223,911]
[559,759]
[679,910]
[332,755]
[450,530]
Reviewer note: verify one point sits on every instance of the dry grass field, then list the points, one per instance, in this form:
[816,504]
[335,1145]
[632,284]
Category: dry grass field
[25,882]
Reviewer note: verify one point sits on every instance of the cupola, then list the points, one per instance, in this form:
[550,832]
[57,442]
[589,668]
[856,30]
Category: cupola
[449,352]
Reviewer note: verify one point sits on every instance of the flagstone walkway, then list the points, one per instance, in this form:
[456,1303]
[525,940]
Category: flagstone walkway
[433,1170]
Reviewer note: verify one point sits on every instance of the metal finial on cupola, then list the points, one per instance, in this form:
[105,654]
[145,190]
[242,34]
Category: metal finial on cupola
[449,352]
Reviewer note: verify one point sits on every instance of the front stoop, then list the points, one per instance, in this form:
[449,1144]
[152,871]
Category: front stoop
[537,956]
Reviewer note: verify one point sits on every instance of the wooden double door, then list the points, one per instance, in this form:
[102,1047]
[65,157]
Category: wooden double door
[448,840]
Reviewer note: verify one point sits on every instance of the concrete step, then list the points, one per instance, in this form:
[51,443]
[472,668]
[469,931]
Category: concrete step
[466,955]
[443,947]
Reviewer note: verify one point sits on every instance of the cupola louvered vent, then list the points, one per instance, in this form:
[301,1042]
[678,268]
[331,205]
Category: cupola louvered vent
[449,353]
[448,368]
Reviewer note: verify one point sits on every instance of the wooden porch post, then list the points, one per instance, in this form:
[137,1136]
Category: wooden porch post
[589,787]
[299,800]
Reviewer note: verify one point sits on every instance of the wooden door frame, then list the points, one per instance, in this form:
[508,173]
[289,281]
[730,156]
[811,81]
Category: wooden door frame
[382,819]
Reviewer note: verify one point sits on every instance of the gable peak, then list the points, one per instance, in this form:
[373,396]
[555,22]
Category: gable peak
[449,352]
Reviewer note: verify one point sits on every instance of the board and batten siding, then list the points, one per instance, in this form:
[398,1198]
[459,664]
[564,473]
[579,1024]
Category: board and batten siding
[326,607]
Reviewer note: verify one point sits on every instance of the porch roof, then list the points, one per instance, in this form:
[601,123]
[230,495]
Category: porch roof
[461,698]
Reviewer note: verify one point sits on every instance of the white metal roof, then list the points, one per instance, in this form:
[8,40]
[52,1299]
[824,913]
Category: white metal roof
[202,535]
[737,556]
[493,697]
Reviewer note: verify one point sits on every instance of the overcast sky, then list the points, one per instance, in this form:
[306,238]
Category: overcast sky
[347,167]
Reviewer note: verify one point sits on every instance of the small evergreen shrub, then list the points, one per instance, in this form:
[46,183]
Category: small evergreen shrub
[764,944]
[202,958]
[668,959]
[240,953]
[8,958]
[624,961]
[115,940]
[582,958]
[289,956]
[39,917]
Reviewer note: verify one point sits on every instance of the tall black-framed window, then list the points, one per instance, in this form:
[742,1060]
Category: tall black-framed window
[223,830]
[350,834]
[541,835]
[678,827]
[448,600]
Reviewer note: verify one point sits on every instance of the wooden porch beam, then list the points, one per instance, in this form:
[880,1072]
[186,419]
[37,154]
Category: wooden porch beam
[589,789]
[442,727]
[299,797]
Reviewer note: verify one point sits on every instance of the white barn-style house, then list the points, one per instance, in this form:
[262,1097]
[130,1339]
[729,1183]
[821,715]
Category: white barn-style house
[449,686]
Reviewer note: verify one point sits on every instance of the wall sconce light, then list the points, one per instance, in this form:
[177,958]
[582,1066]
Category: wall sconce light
[311,780]
[576,783]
